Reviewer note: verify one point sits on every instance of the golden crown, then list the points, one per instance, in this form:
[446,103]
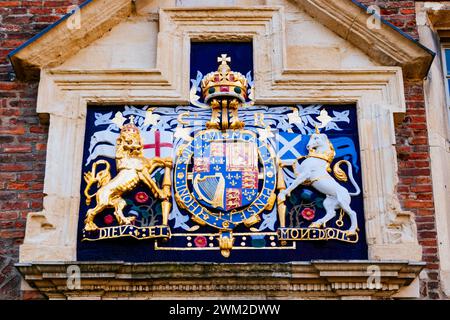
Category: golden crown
[130,126]
[224,82]
[328,156]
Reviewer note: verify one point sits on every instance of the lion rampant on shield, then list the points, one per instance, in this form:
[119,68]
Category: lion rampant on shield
[132,168]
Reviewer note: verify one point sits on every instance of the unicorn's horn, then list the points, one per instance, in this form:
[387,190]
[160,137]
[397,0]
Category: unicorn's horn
[317,129]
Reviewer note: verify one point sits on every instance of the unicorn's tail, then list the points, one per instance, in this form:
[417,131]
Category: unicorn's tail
[340,175]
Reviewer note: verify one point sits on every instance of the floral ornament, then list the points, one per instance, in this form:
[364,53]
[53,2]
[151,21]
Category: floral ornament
[308,214]
[141,197]
[108,219]
[200,241]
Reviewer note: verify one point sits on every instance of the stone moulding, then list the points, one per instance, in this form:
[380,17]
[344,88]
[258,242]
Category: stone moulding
[321,279]
[58,42]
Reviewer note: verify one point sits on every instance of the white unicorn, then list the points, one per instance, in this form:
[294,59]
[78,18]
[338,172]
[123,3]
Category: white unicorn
[314,171]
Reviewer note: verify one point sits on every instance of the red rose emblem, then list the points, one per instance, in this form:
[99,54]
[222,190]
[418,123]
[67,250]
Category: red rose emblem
[308,214]
[141,197]
[200,241]
[108,219]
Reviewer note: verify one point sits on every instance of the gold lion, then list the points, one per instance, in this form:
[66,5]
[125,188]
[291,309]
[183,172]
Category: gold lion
[132,168]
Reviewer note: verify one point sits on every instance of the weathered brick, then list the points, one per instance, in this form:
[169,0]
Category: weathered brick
[421,188]
[28,176]
[428,242]
[18,186]
[16,130]
[10,3]
[12,234]
[38,129]
[423,180]
[17,149]
[417,204]
[418,140]
[429,251]
[41,146]
[32,3]
[424,196]
[14,205]
[11,215]
[30,195]
[14,167]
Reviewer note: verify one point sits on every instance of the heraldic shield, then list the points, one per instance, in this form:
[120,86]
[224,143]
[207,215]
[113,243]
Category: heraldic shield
[228,176]
[225,175]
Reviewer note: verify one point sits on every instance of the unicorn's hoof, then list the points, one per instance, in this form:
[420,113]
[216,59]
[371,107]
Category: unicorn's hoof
[351,232]
[282,196]
[317,225]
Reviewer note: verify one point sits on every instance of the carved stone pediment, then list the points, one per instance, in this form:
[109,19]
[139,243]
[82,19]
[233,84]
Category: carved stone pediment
[384,44]
[375,87]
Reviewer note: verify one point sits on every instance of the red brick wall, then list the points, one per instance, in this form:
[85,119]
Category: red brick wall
[401,14]
[415,187]
[23,142]
[22,138]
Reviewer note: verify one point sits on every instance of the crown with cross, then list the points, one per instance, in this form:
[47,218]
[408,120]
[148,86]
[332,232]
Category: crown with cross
[224,82]
[130,127]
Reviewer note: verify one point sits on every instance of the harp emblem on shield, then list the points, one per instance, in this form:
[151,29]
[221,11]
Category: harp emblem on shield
[211,189]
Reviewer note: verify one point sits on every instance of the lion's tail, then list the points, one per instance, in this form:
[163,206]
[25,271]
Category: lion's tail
[340,175]
[102,178]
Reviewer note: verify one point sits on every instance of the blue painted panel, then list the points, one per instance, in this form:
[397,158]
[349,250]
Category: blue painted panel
[289,124]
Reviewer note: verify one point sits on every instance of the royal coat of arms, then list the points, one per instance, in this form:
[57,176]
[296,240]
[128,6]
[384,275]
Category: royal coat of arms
[221,178]
[225,176]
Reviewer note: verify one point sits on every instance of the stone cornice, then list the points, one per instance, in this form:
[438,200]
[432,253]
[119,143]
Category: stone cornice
[385,45]
[58,42]
[280,89]
[328,279]
[439,15]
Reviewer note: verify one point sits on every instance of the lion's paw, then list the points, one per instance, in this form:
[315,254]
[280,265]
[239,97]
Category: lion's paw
[90,226]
